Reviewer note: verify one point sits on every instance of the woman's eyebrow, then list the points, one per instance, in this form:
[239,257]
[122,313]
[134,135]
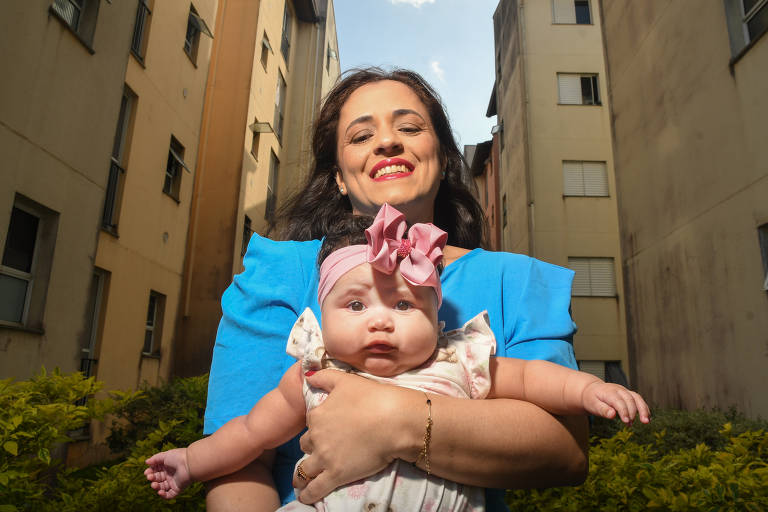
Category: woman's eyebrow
[404,112]
[361,119]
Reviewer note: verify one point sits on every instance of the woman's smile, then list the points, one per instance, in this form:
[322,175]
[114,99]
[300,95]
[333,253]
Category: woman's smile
[391,168]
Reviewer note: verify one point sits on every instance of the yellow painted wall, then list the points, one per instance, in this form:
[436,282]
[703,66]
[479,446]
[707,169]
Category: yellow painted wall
[150,250]
[692,180]
[58,110]
[232,181]
[540,134]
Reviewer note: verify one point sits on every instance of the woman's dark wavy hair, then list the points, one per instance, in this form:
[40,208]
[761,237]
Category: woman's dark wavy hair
[312,211]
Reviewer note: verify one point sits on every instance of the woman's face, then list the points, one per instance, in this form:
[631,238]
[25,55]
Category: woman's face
[388,151]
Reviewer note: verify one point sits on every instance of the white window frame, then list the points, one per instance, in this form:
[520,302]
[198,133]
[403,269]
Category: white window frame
[748,16]
[584,178]
[564,12]
[155,327]
[586,282]
[29,277]
[563,87]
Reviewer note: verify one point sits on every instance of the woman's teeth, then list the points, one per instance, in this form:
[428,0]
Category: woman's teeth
[391,169]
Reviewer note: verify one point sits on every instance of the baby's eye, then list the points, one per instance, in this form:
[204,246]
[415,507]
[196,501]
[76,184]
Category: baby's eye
[403,305]
[356,305]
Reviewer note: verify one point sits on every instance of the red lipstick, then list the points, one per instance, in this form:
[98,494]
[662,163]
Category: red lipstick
[386,163]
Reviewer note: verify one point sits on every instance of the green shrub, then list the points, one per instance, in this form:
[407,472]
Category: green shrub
[37,415]
[683,429]
[625,475]
[181,400]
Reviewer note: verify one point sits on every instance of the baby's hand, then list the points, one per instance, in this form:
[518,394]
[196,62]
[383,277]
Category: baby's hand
[169,472]
[606,400]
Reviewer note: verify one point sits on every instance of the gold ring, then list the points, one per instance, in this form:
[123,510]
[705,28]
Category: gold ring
[300,472]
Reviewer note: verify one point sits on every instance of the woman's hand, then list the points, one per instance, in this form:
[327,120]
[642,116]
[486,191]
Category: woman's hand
[355,432]
[362,426]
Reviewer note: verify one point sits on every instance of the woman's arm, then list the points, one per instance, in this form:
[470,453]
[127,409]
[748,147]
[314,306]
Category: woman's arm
[363,425]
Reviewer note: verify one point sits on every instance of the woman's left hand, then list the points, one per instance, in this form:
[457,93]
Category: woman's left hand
[354,433]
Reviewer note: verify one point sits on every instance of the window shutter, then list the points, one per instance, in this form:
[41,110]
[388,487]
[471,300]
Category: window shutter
[573,178]
[596,368]
[569,88]
[581,280]
[595,179]
[563,11]
[602,276]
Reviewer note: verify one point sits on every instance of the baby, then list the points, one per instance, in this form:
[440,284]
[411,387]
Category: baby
[379,302]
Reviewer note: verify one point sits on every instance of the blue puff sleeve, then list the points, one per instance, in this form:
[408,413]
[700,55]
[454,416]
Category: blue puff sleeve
[258,309]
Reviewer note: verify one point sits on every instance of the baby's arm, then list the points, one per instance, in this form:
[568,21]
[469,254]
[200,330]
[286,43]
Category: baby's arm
[561,390]
[276,418]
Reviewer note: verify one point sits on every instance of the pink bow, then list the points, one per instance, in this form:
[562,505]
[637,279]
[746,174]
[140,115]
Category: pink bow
[421,252]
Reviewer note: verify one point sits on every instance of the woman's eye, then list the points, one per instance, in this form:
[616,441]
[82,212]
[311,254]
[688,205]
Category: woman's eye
[360,137]
[403,305]
[410,129]
[356,305]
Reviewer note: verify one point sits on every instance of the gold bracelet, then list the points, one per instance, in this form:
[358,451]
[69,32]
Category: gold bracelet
[424,453]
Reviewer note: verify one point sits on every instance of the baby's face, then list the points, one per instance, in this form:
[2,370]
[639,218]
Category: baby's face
[379,323]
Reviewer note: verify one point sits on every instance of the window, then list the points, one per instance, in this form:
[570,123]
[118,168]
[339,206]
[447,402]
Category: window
[747,22]
[195,25]
[504,211]
[141,30]
[280,106]
[80,16]
[578,89]
[266,49]
[26,263]
[274,170]
[116,168]
[153,332]
[285,44]
[96,296]
[172,183]
[595,277]
[571,12]
[585,179]
[258,128]
[247,232]
[762,233]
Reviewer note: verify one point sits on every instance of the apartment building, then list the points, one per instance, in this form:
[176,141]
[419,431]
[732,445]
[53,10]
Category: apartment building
[687,85]
[59,105]
[557,195]
[265,84]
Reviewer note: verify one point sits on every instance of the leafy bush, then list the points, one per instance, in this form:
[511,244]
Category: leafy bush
[36,417]
[625,475]
[683,429]
[181,400]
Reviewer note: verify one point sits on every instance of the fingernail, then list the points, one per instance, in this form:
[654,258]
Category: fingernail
[309,373]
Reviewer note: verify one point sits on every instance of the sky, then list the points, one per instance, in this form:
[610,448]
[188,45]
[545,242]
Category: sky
[448,42]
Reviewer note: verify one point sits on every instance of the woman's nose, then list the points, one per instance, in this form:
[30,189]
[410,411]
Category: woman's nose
[388,143]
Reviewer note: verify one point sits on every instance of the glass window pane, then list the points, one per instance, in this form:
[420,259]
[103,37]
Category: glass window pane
[20,243]
[582,12]
[13,292]
[749,4]
[147,342]
[758,24]
[151,311]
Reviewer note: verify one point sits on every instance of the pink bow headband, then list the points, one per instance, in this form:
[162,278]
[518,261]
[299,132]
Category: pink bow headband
[419,253]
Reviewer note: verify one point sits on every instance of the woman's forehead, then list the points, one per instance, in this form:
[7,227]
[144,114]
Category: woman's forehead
[384,96]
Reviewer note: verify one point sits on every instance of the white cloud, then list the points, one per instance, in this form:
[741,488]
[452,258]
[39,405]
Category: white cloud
[415,3]
[437,70]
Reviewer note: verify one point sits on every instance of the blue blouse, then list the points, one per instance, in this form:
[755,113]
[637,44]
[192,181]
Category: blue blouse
[528,302]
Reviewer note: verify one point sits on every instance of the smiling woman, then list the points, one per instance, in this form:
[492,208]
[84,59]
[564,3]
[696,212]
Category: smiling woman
[384,137]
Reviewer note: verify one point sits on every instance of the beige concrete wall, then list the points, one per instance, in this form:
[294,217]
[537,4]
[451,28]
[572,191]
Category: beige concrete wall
[232,181]
[59,105]
[148,255]
[692,181]
[539,135]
